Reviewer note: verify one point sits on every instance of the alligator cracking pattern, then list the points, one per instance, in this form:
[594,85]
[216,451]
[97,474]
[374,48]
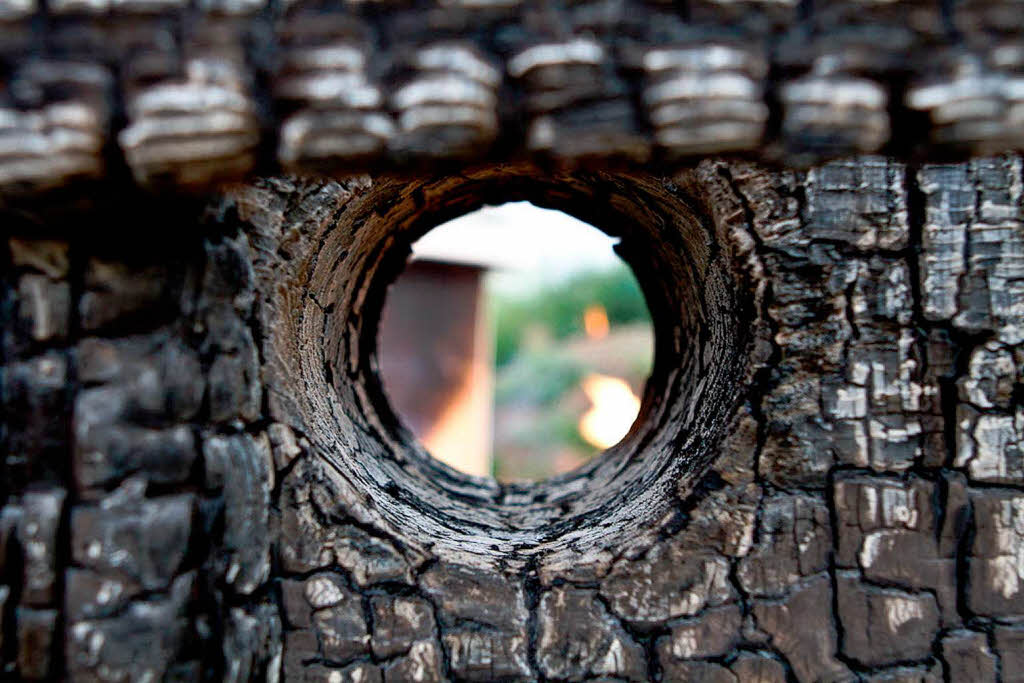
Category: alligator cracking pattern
[167,516]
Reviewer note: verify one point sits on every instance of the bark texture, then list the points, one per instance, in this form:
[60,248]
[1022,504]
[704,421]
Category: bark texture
[202,479]
[173,94]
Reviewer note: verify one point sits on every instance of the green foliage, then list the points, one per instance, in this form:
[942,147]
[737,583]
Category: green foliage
[558,309]
[537,379]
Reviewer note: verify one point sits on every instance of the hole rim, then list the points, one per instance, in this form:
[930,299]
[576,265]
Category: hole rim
[569,510]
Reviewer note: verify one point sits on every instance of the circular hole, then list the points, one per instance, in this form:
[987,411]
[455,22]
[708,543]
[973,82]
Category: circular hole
[515,343]
[685,239]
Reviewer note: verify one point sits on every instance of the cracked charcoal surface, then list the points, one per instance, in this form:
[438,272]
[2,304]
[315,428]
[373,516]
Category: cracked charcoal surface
[201,480]
[182,96]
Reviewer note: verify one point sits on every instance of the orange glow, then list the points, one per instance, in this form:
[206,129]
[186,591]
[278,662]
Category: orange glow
[595,321]
[613,410]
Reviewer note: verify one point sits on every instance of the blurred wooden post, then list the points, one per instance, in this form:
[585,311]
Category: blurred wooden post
[436,362]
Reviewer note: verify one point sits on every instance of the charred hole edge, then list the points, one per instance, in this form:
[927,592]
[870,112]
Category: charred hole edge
[381,240]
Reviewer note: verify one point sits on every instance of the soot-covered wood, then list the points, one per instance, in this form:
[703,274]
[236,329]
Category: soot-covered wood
[178,95]
[173,509]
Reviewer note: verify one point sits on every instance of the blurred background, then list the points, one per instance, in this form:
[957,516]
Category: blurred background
[516,343]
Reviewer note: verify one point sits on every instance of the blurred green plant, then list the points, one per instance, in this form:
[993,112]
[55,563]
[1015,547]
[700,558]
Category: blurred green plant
[536,379]
[558,309]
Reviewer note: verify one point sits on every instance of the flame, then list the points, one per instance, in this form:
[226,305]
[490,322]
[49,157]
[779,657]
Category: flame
[595,321]
[614,409]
